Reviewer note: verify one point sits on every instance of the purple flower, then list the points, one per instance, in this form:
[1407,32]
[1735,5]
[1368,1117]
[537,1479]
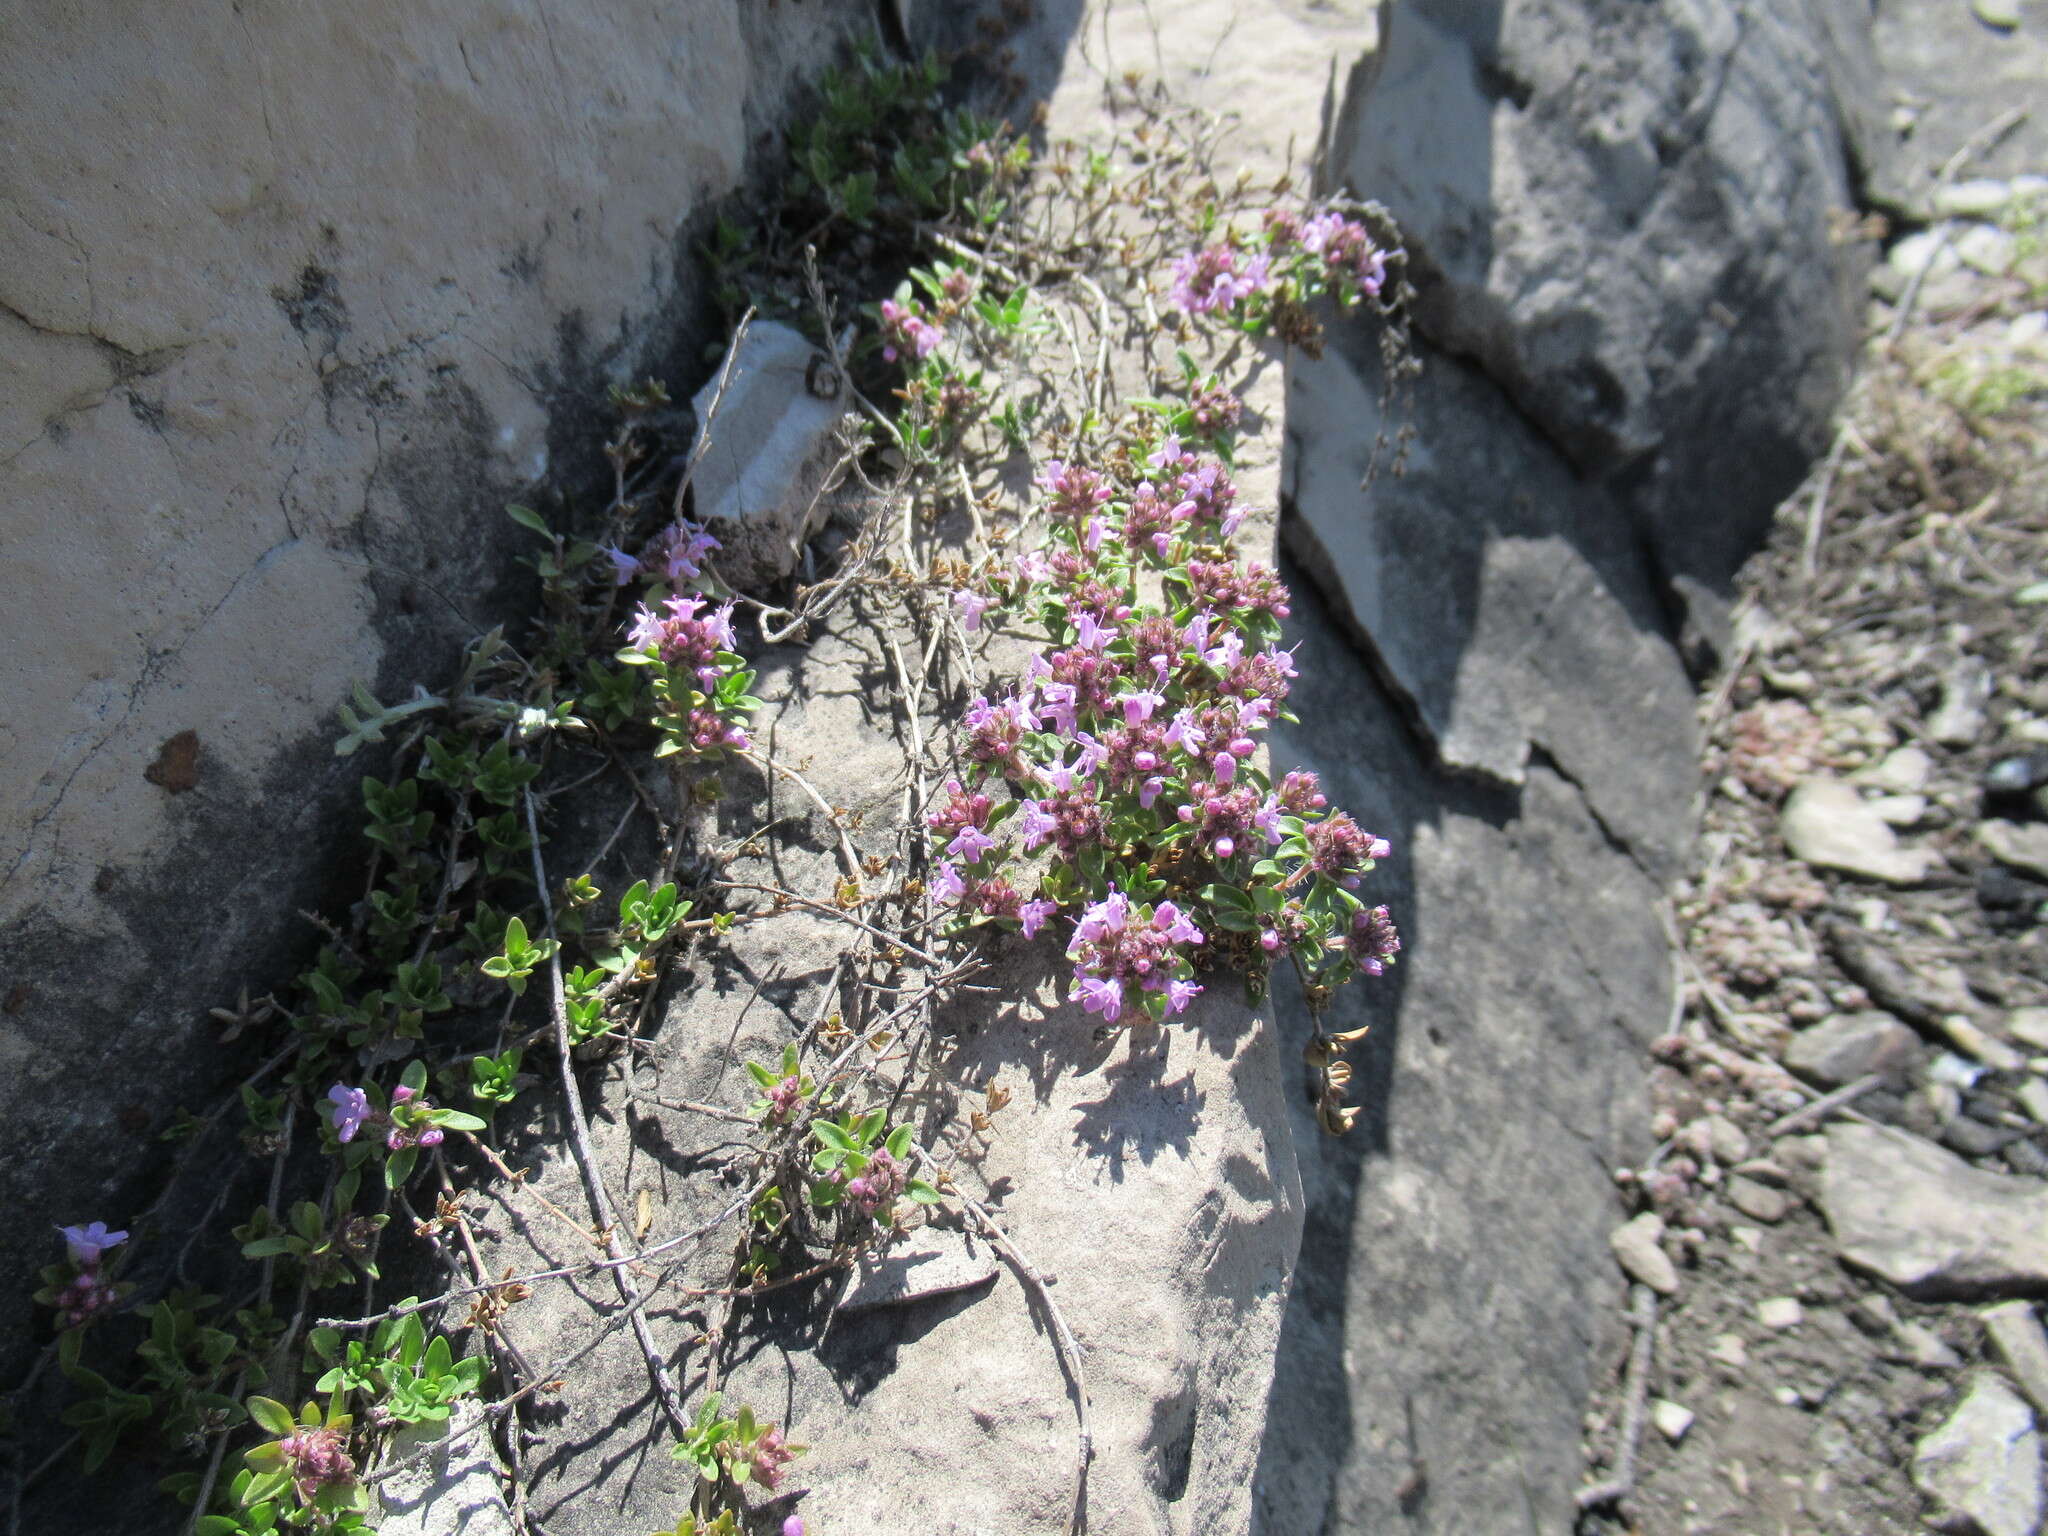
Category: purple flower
[972,606]
[906,333]
[1037,824]
[969,844]
[1138,706]
[947,884]
[88,1242]
[1173,922]
[351,1109]
[1213,279]
[624,566]
[1090,633]
[1101,995]
[793,1526]
[1180,993]
[1034,913]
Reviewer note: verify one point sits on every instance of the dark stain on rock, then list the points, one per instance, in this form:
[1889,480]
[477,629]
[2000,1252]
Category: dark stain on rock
[314,306]
[176,768]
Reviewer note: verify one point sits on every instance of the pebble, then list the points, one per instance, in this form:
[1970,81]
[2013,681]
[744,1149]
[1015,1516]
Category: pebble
[1925,1348]
[1826,822]
[1991,251]
[2023,845]
[1728,1349]
[1912,252]
[1838,1050]
[2029,1026]
[2012,777]
[1901,772]
[2016,1332]
[1639,1250]
[1928,1222]
[1984,1462]
[1672,1419]
[2005,16]
[1976,199]
[1987,1048]
[1759,1201]
[1966,686]
[1973,1138]
[1900,810]
[2033,1097]
[1780,1312]
[1725,1139]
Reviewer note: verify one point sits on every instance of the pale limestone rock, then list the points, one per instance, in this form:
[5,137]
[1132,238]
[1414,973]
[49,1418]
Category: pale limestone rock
[454,1488]
[1846,1046]
[1825,822]
[1639,1249]
[1902,771]
[1927,1221]
[1672,1419]
[771,453]
[1780,1312]
[1983,1464]
[2015,1330]
[2023,845]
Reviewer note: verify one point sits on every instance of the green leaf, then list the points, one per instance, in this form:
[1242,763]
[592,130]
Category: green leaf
[832,1136]
[921,1192]
[899,1142]
[272,1416]
[526,517]
[398,1167]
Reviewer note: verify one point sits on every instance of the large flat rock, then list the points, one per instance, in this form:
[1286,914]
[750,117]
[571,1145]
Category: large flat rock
[1504,599]
[1455,1272]
[1624,213]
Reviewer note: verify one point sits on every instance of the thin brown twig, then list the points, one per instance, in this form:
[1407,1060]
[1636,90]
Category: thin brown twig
[586,1162]
[839,913]
[1637,1390]
[1823,1106]
[703,443]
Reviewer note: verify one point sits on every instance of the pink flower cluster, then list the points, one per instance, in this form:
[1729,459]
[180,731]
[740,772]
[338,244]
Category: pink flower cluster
[1374,941]
[876,1186]
[352,1111]
[906,333]
[1216,278]
[317,1458]
[675,555]
[766,1460]
[683,635]
[1346,247]
[1119,949]
[1129,746]
[87,1293]
[784,1098]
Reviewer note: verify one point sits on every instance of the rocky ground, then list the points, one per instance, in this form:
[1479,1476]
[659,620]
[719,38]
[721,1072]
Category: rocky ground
[1845,1218]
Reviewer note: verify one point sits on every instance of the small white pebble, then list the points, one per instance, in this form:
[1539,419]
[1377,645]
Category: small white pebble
[1727,1348]
[1780,1312]
[1672,1419]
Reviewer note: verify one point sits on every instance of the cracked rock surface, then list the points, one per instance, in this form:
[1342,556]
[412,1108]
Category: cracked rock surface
[277,343]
